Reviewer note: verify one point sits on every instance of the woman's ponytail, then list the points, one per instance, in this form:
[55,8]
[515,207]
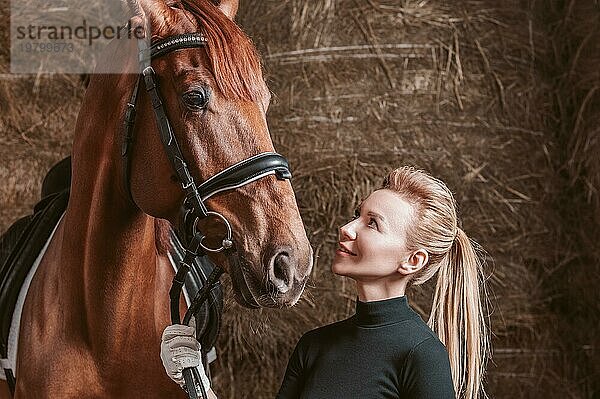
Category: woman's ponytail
[457,312]
[457,316]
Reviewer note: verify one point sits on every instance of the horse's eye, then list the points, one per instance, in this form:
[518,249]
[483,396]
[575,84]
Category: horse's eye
[196,99]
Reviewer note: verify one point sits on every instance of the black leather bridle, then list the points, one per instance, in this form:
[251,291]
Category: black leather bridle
[193,208]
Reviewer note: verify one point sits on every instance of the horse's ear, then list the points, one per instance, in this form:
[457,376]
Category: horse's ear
[137,15]
[144,12]
[228,7]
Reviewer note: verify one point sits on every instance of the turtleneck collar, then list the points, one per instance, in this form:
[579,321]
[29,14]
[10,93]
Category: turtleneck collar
[383,312]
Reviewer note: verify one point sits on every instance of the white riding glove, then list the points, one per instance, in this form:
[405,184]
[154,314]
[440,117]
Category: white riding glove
[179,349]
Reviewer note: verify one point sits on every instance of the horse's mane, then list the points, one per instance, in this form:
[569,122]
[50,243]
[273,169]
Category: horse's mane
[234,60]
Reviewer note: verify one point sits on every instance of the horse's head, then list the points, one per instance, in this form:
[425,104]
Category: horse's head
[216,101]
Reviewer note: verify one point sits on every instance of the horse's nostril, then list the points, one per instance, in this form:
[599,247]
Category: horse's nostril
[281,267]
[282,272]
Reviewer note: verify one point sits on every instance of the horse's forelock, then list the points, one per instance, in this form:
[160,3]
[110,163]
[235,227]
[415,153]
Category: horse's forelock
[234,60]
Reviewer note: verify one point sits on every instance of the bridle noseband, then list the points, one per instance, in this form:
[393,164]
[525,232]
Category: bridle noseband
[193,208]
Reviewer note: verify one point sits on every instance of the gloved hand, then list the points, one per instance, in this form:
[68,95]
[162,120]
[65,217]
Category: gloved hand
[179,349]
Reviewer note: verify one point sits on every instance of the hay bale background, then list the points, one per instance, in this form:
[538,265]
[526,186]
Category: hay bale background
[575,38]
[470,92]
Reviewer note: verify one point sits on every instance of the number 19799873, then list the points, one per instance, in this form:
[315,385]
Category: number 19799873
[50,47]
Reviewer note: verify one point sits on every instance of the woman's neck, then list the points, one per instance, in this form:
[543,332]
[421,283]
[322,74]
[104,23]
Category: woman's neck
[378,290]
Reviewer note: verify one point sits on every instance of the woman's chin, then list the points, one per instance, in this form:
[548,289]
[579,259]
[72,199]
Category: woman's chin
[337,268]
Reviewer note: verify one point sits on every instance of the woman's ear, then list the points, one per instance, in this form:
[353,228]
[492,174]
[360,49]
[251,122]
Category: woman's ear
[415,262]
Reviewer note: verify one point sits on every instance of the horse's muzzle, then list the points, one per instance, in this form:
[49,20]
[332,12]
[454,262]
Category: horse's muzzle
[279,284]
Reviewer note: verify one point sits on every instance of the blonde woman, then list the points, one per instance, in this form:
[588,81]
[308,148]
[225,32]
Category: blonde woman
[403,234]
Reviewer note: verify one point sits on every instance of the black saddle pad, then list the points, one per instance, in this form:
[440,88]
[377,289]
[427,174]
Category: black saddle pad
[19,248]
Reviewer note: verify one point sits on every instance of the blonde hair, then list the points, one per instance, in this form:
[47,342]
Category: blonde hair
[457,312]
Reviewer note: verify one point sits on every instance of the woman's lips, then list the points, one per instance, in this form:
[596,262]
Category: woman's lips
[342,249]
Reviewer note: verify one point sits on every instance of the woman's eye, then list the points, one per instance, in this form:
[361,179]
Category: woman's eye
[196,99]
[372,223]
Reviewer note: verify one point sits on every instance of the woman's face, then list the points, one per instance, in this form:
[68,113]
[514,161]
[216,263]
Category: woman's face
[373,245]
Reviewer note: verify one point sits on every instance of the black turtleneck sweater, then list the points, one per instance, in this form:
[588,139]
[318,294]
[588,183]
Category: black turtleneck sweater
[384,351]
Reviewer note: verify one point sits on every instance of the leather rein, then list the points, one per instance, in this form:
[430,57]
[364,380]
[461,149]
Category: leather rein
[193,208]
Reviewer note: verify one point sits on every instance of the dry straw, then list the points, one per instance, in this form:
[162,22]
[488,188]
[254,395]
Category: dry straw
[483,94]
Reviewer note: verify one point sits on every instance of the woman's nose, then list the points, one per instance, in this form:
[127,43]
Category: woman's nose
[348,231]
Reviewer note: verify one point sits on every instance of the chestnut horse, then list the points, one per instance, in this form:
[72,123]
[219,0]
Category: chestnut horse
[98,303]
